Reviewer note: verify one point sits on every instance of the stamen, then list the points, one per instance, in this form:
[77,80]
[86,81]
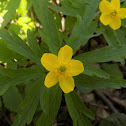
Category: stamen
[62,69]
[114,13]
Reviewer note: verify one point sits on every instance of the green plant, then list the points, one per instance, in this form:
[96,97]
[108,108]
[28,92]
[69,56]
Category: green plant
[22,79]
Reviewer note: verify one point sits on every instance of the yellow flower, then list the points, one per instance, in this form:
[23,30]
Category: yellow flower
[61,68]
[112,13]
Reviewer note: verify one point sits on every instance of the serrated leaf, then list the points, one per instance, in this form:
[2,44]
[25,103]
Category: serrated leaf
[85,35]
[6,54]
[83,121]
[50,100]
[12,77]
[76,109]
[48,95]
[28,107]
[114,38]
[105,54]
[92,70]
[33,43]
[93,31]
[95,82]
[109,36]
[58,19]
[120,36]
[70,7]
[69,23]
[77,37]
[22,72]
[11,7]
[16,44]
[12,98]
[112,69]
[74,98]
[44,45]
[48,23]
[44,48]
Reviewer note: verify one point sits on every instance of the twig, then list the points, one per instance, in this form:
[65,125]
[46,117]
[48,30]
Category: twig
[106,100]
[96,105]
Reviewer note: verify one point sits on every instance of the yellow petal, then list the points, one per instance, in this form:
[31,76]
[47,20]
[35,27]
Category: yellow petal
[76,67]
[104,6]
[65,53]
[116,23]
[122,13]
[49,61]
[115,4]
[66,84]
[105,19]
[51,79]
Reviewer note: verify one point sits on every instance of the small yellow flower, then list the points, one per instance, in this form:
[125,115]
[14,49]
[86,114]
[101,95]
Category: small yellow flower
[112,13]
[61,68]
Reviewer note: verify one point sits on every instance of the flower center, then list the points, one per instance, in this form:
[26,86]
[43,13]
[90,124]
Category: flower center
[62,69]
[114,13]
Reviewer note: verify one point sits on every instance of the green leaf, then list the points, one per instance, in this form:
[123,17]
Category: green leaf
[112,69]
[0,103]
[109,36]
[48,23]
[95,82]
[123,23]
[34,44]
[84,90]
[76,109]
[78,36]
[44,48]
[50,100]
[58,19]
[28,107]
[44,45]
[116,119]
[70,7]
[120,36]
[92,31]
[6,54]
[69,23]
[105,54]
[115,38]
[12,77]
[11,7]
[44,36]
[12,98]
[23,20]
[85,35]
[22,72]
[29,4]
[23,8]
[48,95]
[73,3]
[92,70]
[75,99]
[16,44]
[15,27]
